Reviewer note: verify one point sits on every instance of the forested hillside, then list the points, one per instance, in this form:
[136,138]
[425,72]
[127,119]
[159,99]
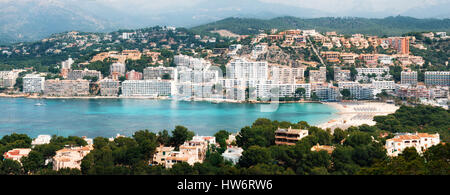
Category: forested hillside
[387,26]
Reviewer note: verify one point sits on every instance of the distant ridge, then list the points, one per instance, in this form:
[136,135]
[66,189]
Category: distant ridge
[389,26]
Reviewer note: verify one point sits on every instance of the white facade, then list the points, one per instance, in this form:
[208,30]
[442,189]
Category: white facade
[243,69]
[286,75]
[41,139]
[419,141]
[232,154]
[33,83]
[148,88]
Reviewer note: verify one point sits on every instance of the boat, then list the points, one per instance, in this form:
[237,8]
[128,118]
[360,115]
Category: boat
[39,104]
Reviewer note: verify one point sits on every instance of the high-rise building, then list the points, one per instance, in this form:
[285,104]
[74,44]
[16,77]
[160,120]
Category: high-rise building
[81,74]
[243,69]
[318,76]
[33,83]
[133,75]
[160,72]
[341,75]
[409,77]
[66,88]
[151,88]
[109,87]
[286,75]
[441,78]
[117,70]
[8,78]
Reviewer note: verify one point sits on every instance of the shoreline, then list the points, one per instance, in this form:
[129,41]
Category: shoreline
[357,113]
[213,100]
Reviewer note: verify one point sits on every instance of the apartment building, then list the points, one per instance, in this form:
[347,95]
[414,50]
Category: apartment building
[17,153]
[409,91]
[267,90]
[66,66]
[70,157]
[369,59]
[150,88]
[441,78]
[66,88]
[385,59]
[80,74]
[289,136]
[331,56]
[161,154]
[358,91]
[409,78]
[348,58]
[341,75]
[243,69]
[109,87]
[133,75]
[33,83]
[328,93]
[286,75]
[318,76]
[366,74]
[191,152]
[401,44]
[117,70]
[419,141]
[8,78]
[383,85]
[160,72]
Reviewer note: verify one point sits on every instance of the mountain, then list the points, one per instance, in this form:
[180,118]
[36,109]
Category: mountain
[346,25]
[24,20]
[30,20]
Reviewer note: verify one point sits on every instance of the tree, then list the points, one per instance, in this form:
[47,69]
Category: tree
[33,162]
[164,137]
[346,93]
[10,167]
[165,76]
[221,137]
[300,92]
[255,155]
[179,135]
[122,78]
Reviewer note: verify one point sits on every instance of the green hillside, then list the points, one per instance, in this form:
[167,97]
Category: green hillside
[387,26]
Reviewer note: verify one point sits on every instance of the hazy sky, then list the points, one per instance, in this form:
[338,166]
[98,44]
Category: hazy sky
[332,6]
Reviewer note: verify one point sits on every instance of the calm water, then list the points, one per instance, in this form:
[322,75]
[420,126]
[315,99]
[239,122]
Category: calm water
[107,117]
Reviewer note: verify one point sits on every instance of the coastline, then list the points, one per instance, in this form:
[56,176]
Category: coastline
[213,100]
[357,113]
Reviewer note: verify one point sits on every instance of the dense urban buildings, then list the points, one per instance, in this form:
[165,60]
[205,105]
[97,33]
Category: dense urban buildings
[66,88]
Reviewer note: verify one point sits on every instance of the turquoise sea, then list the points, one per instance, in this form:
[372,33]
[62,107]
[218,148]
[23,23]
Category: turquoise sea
[107,117]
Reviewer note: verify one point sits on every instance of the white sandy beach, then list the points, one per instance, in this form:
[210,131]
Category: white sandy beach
[357,113]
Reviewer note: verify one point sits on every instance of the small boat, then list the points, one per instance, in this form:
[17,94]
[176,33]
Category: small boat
[39,104]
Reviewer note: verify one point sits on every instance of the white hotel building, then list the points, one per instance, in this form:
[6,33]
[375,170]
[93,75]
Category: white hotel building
[441,78]
[33,83]
[420,141]
[284,90]
[243,69]
[150,88]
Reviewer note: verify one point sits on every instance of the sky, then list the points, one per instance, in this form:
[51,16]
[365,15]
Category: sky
[330,6]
